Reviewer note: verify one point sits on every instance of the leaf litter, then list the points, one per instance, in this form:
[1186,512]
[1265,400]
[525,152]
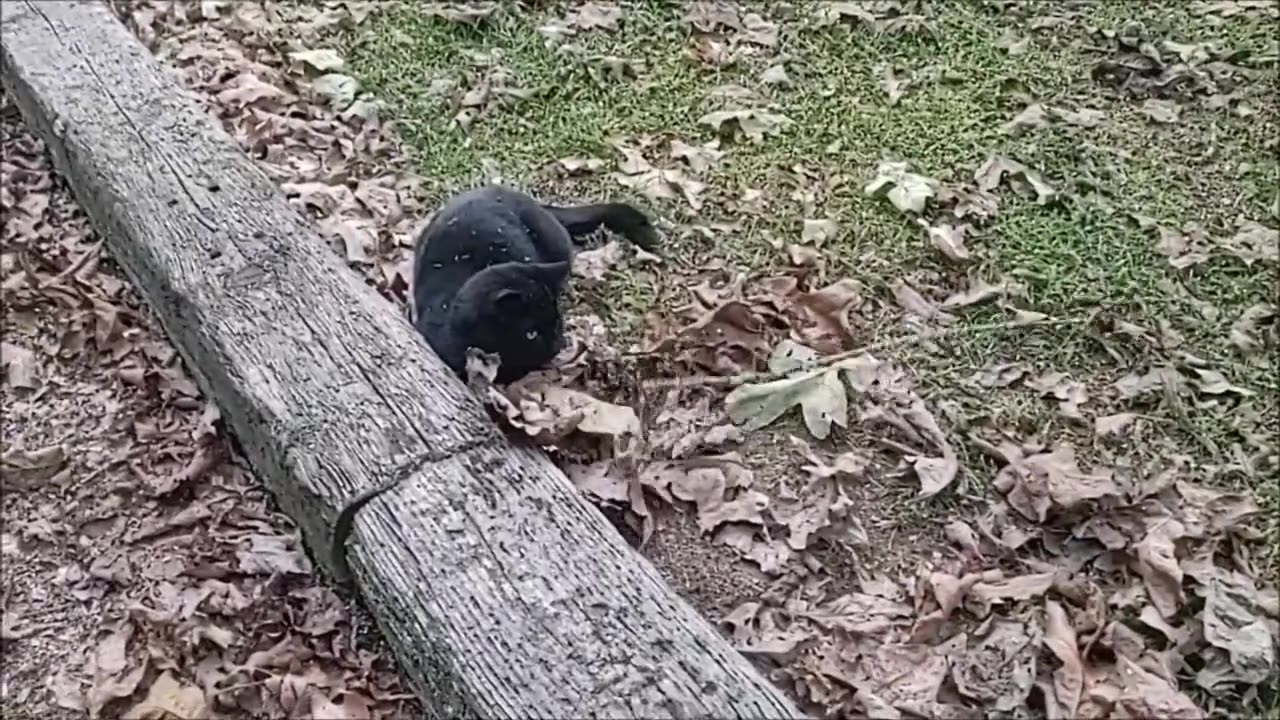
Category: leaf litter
[1077,560]
[225,572]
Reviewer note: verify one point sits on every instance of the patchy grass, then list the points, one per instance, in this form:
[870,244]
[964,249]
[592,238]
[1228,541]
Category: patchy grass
[1072,260]
[1086,255]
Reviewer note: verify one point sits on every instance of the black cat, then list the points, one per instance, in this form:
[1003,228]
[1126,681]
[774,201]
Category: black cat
[489,268]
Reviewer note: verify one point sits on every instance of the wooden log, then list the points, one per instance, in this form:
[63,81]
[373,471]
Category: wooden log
[502,593]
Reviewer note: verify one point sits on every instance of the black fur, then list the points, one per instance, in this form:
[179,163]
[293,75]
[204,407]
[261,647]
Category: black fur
[489,268]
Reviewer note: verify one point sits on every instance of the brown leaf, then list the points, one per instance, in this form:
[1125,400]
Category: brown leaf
[776,75]
[270,554]
[575,166]
[208,456]
[996,168]
[549,413]
[1210,512]
[20,367]
[700,158]
[859,613]
[934,473]
[601,480]
[1235,619]
[1253,242]
[1159,567]
[905,675]
[963,536]
[1000,671]
[915,303]
[593,15]
[1134,384]
[818,232]
[1070,393]
[1113,424]
[1161,111]
[1147,695]
[664,184]
[1212,382]
[65,687]
[1033,116]
[824,315]
[704,481]
[849,465]
[755,124]
[1022,587]
[949,240]
[595,264]
[113,677]
[950,591]
[979,291]
[808,514]
[1001,374]
[168,697]
[1244,331]
[767,639]
[1068,680]
[26,468]
[1036,483]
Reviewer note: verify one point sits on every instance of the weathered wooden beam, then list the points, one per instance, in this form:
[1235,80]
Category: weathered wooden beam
[502,593]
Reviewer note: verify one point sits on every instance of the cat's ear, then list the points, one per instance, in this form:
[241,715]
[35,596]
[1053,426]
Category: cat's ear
[553,274]
[508,300]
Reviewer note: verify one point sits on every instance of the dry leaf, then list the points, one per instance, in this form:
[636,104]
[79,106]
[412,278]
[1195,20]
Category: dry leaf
[1159,567]
[755,124]
[20,367]
[1000,671]
[997,168]
[1068,680]
[1042,481]
[168,698]
[907,191]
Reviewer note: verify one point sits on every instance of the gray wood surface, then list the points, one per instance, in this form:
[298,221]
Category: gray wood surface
[502,593]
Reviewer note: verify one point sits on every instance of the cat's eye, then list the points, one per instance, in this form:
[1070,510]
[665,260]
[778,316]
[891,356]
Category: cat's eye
[531,335]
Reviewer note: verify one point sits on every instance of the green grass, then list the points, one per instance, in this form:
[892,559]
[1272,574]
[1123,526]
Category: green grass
[1072,258]
[1212,168]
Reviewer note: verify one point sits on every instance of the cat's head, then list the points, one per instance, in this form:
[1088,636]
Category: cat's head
[513,310]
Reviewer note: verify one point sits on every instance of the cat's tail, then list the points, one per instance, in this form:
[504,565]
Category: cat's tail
[620,218]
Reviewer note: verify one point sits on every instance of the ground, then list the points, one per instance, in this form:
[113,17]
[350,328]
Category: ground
[1030,248]
[144,567]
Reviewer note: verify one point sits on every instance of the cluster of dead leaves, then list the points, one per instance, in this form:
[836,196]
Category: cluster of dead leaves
[956,210]
[1081,594]
[680,457]
[292,108]
[728,330]
[722,33]
[210,605]
[1167,73]
[731,328]
[484,86]
[1191,245]
[881,17]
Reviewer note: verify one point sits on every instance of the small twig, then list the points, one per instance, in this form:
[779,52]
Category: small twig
[1184,421]
[900,447]
[825,361]
[77,264]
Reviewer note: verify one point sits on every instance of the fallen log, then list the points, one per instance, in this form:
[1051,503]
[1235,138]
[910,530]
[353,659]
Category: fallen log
[501,592]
